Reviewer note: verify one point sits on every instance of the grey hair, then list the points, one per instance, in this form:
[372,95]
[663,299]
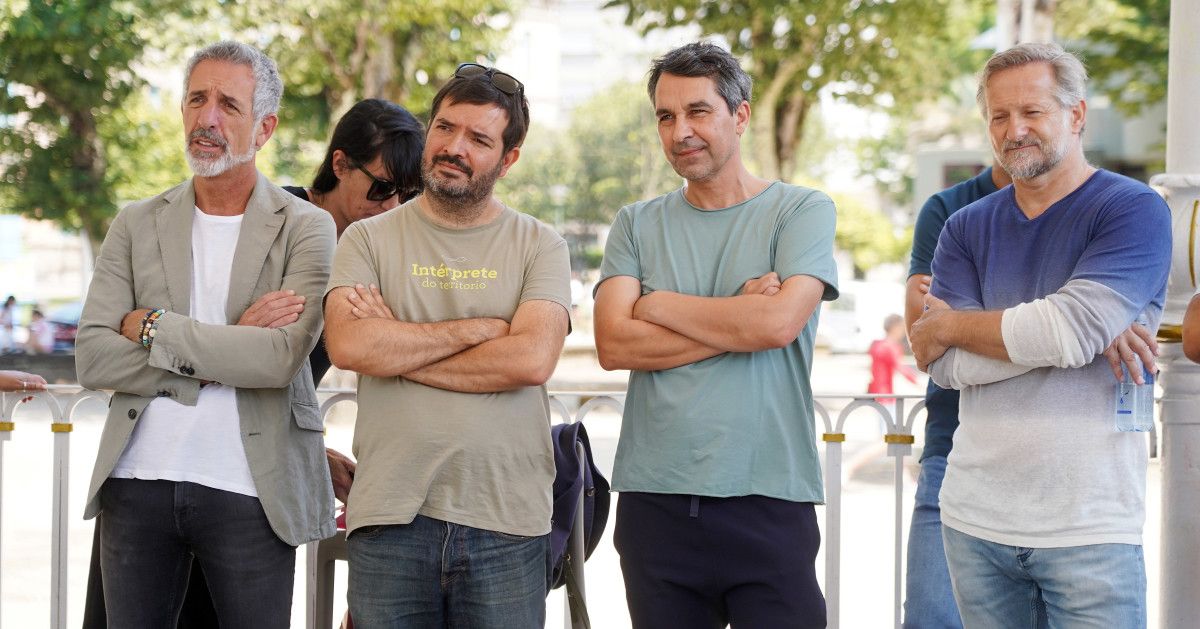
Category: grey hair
[1069,73]
[708,60]
[268,87]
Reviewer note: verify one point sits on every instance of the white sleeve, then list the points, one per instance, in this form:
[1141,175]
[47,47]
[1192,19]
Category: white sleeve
[958,369]
[1067,328]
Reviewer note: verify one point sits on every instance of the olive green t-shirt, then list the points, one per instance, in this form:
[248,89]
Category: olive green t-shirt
[481,460]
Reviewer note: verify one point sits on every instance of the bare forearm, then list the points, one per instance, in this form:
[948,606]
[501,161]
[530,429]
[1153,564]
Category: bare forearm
[745,323]
[914,299]
[978,332]
[501,364]
[386,348]
[644,346]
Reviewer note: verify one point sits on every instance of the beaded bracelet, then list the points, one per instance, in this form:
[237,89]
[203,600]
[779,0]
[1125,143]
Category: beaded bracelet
[150,326]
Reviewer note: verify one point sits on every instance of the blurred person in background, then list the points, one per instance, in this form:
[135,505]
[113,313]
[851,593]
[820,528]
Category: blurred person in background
[7,312]
[41,334]
[887,355]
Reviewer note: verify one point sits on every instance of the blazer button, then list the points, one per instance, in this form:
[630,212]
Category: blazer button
[187,371]
[132,414]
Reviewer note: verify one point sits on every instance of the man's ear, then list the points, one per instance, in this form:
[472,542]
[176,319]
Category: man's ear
[510,158]
[742,115]
[266,128]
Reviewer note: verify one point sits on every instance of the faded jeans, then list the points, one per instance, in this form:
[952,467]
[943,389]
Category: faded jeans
[434,574]
[1098,586]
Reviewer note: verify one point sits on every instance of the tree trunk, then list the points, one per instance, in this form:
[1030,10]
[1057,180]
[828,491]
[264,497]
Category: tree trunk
[89,158]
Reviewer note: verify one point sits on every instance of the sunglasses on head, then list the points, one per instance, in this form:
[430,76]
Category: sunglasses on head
[503,81]
[381,189]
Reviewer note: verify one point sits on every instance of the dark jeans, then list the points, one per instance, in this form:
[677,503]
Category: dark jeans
[699,562]
[197,613]
[151,530]
[431,574]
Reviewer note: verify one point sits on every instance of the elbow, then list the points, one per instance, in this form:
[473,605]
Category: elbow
[608,354]
[608,359]
[536,377]
[341,356]
[1191,345]
[777,335]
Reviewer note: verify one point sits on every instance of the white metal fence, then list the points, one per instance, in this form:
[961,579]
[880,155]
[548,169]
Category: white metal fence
[898,417]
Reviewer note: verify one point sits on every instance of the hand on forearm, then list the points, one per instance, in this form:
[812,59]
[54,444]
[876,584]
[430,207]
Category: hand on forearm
[362,335]
[131,325]
[1134,344]
[925,334]
[274,310]
[525,357]
[744,323]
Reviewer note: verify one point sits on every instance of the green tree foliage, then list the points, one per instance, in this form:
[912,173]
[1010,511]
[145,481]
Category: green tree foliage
[883,53]
[333,53]
[867,235]
[64,67]
[610,156]
[1123,43]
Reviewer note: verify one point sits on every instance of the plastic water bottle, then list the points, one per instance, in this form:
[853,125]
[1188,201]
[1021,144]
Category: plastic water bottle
[1134,408]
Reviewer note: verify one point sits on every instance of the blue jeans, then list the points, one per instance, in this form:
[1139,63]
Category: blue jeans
[1099,586]
[150,531]
[433,574]
[928,598]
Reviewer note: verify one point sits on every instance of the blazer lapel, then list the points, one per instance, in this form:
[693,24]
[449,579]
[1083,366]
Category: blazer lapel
[260,226]
[173,222]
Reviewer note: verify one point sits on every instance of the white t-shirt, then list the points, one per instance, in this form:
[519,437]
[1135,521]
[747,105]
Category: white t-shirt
[200,444]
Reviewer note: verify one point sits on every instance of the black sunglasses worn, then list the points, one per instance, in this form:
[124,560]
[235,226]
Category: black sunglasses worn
[503,81]
[381,189]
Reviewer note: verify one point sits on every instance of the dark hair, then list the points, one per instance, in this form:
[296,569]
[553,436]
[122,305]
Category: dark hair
[479,90]
[372,128]
[708,60]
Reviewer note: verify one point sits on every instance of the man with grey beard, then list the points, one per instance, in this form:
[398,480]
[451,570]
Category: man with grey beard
[213,448]
[453,308]
[1035,291]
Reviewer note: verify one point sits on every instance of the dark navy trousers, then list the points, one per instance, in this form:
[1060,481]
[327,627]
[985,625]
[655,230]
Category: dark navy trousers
[701,562]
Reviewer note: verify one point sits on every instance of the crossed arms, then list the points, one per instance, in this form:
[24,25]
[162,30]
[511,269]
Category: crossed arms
[480,355]
[960,348]
[664,329]
[108,357]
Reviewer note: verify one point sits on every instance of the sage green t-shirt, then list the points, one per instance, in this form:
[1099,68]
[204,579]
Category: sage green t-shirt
[481,460]
[739,423]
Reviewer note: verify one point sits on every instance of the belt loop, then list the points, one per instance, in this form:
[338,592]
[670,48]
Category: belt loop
[695,509]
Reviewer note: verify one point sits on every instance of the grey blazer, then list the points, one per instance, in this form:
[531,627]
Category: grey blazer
[146,262]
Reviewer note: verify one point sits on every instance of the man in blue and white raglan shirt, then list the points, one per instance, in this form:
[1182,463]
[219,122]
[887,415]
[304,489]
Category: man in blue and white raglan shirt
[1043,500]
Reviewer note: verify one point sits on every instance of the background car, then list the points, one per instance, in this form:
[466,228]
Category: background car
[65,320]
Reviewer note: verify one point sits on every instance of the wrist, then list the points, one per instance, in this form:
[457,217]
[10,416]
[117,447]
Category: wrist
[946,334]
[150,326]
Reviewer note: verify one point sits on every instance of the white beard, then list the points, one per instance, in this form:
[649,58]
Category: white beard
[219,166]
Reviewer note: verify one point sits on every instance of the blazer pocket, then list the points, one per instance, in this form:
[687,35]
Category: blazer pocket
[307,416]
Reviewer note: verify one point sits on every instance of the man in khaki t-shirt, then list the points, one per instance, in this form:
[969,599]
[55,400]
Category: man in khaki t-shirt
[453,308]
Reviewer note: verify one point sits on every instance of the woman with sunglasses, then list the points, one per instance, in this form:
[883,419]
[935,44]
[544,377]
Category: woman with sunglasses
[372,164]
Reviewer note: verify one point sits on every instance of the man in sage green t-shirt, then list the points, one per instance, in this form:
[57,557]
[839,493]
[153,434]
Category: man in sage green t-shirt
[453,310]
[709,296]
